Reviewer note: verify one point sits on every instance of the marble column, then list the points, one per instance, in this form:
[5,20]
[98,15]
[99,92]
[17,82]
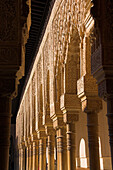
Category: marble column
[51,144]
[35,155]
[57,138]
[92,124]
[27,158]
[20,163]
[30,157]
[110,123]
[22,158]
[61,150]
[42,154]
[71,149]
[5,121]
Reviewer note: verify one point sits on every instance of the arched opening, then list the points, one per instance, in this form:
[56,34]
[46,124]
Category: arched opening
[100,155]
[82,152]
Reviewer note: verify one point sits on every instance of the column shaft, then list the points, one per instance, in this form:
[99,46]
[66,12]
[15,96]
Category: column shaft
[35,155]
[22,159]
[30,158]
[42,154]
[5,121]
[20,163]
[27,161]
[110,124]
[58,150]
[92,124]
[62,152]
[51,144]
[71,149]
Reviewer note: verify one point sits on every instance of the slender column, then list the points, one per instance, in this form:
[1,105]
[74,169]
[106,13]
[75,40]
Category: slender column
[110,124]
[92,124]
[23,155]
[5,121]
[51,144]
[62,153]
[30,157]
[42,154]
[71,146]
[22,158]
[27,161]
[58,150]
[35,155]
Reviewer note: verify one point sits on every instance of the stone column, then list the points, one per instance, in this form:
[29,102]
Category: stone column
[92,124]
[22,158]
[27,161]
[35,155]
[20,163]
[5,121]
[42,154]
[30,157]
[57,149]
[51,144]
[110,123]
[61,150]
[71,149]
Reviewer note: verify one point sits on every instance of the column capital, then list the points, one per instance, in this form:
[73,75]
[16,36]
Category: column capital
[49,130]
[41,134]
[87,91]
[34,137]
[70,106]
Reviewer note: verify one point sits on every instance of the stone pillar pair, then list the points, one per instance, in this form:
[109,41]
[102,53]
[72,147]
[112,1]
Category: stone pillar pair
[61,149]
[42,154]
[42,148]
[46,142]
[35,155]
[51,147]
[32,155]
[66,156]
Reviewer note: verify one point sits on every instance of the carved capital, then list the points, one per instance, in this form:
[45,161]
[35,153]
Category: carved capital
[91,104]
[86,86]
[41,134]
[49,130]
[70,106]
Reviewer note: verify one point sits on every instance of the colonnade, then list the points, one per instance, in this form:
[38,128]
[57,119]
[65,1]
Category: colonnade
[60,86]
